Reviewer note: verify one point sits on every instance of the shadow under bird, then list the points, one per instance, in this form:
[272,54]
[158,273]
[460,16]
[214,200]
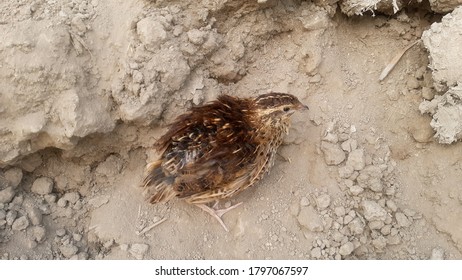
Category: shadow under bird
[217,150]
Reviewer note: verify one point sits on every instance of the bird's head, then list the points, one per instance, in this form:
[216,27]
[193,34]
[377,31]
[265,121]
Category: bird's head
[277,105]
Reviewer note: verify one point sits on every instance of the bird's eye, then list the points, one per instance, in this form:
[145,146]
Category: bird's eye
[286,109]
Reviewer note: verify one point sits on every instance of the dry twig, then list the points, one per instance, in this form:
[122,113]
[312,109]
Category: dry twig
[394,61]
[148,228]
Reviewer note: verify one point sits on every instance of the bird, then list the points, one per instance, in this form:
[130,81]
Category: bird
[217,150]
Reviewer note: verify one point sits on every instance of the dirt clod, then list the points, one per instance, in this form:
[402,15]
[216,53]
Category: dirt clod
[42,185]
[20,224]
[333,154]
[6,195]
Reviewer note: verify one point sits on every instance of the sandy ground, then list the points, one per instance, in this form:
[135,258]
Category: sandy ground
[365,178]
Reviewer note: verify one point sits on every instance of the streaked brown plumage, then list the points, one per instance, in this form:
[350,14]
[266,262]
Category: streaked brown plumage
[219,149]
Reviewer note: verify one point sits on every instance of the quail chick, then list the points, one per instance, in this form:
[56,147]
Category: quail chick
[217,150]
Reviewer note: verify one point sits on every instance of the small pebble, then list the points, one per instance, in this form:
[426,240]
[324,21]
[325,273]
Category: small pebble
[315,79]
[356,159]
[352,213]
[20,224]
[349,183]
[68,250]
[345,231]
[50,198]
[177,30]
[78,205]
[6,195]
[72,197]
[391,205]
[337,236]
[346,249]
[62,202]
[347,219]
[196,36]
[11,216]
[310,219]
[31,244]
[380,242]
[294,208]
[393,231]
[35,215]
[402,220]
[356,226]
[423,134]
[60,232]
[386,229]
[323,201]
[17,200]
[38,233]
[376,224]
[77,237]
[390,191]
[356,190]
[343,137]
[347,145]
[427,93]
[78,25]
[315,253]
[373,211]
[345,171]
[331,137]
[42,185]
[333,154]
[410,213]
[31,162]
[419,73]
[394,240]
[68,213]
[99,201]
[151,33]
[339,211]
[304,201]
[14,176]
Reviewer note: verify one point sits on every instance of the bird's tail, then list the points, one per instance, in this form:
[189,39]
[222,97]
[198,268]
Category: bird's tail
[158,187]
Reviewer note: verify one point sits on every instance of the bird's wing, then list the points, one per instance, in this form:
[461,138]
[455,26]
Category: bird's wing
[201,163]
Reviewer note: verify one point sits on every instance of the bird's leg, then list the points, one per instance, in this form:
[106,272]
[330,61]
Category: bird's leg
[217,213]
[221,212]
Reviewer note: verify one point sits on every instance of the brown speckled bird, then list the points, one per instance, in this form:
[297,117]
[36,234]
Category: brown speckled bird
[217,150]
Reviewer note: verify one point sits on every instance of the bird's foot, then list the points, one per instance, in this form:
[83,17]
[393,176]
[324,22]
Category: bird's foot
[286,159]
[217,213]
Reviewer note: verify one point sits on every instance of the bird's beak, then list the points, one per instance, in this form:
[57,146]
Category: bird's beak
[302,107]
